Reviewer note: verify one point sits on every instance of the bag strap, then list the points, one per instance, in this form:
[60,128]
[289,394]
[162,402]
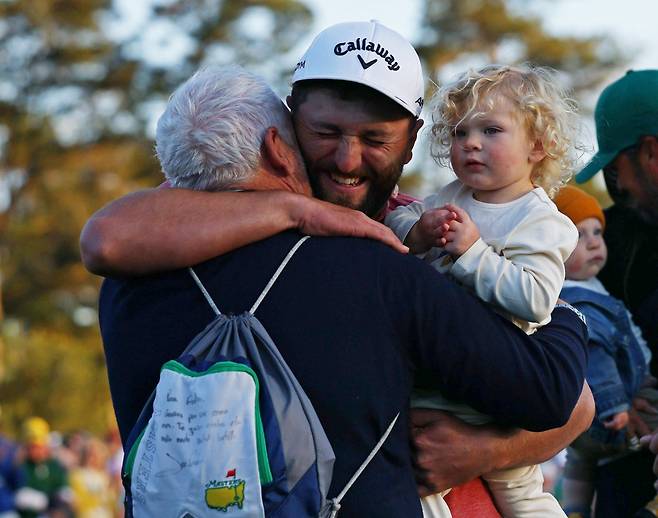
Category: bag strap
[267,288]
[335,502]
[204,291]
[276,274]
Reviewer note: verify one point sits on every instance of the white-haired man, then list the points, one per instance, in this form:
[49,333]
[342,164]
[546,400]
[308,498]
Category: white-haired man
[356,120]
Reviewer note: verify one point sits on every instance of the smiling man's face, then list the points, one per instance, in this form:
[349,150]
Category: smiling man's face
[354,155]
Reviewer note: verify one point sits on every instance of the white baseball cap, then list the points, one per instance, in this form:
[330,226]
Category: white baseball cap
[368,53]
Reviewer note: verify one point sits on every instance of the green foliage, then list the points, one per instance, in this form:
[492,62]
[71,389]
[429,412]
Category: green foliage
[77,104]
[55,376]
[495,31]
[45,281]
[77,98]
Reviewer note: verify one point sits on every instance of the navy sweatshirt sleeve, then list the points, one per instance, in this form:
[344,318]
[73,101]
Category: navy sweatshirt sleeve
[478,357]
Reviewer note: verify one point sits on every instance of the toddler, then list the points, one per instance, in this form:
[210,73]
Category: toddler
[507,131]
[618,363]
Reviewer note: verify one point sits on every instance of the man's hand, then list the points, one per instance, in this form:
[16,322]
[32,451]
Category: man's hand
[448,452]
[429,231]
[320,218]
[617,422]
[462,232]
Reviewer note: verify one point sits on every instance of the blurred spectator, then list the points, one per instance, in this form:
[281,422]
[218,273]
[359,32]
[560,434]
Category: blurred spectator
[93,494]
[552,471]
[114,465]
[626,119]
[11,477]
[618,364]
[46,492]
[70,451]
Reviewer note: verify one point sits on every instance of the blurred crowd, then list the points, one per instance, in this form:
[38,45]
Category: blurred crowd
[46,474]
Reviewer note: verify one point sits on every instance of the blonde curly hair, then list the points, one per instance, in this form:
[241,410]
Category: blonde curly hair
[545,109]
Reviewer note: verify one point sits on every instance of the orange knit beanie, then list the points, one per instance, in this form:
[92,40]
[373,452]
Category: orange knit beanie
[577,205]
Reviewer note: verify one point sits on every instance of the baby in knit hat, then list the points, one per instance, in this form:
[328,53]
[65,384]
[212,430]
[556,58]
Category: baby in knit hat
[617,371]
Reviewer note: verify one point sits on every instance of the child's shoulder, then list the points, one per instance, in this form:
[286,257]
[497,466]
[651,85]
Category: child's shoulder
[452,188]
[543,206]
[538,214]
[540,199]
[452,192]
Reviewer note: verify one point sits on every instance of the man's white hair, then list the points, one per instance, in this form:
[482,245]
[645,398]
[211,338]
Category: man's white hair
[210,135]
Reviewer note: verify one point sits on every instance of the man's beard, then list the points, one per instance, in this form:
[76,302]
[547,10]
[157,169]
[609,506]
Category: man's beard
[649,210]
[380,186]
[647,213]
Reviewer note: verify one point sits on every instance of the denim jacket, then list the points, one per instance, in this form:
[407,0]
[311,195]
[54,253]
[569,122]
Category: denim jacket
[617,365]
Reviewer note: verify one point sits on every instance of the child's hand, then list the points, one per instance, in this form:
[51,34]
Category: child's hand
[462,231]
[616,422]
[637,424]
[430,230]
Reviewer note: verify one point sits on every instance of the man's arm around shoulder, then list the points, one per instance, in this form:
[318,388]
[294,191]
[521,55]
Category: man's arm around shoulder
[164,229]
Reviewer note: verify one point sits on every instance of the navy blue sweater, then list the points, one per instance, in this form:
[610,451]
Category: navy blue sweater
[353,320]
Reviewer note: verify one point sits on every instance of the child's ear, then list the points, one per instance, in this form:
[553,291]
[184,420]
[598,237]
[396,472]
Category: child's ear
[537,152]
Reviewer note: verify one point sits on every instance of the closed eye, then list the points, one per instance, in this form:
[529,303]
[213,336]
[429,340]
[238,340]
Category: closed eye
[326,134]
[374,142]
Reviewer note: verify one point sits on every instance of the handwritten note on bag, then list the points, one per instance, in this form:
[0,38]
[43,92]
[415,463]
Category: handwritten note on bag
[195,423]
[196,433]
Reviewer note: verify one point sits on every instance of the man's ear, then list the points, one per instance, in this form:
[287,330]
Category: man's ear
[649,150]
[277,154]
[537,153]
[413,134]
[647,158]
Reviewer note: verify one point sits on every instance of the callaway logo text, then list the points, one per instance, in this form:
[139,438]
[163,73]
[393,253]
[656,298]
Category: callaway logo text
[345,47]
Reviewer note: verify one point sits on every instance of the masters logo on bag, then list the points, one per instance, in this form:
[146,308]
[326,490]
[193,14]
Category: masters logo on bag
[223,494]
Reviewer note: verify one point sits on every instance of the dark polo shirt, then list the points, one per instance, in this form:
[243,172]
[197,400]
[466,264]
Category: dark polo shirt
[353,319]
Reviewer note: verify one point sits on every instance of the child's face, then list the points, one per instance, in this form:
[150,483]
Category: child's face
[493,154]
[590,254]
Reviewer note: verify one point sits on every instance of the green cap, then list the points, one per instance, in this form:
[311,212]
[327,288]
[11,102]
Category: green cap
[625,111]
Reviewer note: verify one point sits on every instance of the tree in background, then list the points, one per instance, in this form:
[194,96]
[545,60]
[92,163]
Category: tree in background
[504,31]
[80,81]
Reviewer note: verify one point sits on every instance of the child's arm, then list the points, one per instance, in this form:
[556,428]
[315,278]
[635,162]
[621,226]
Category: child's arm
[460,233]
[420,225]
[526,277]
[604,380]
[430,230]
